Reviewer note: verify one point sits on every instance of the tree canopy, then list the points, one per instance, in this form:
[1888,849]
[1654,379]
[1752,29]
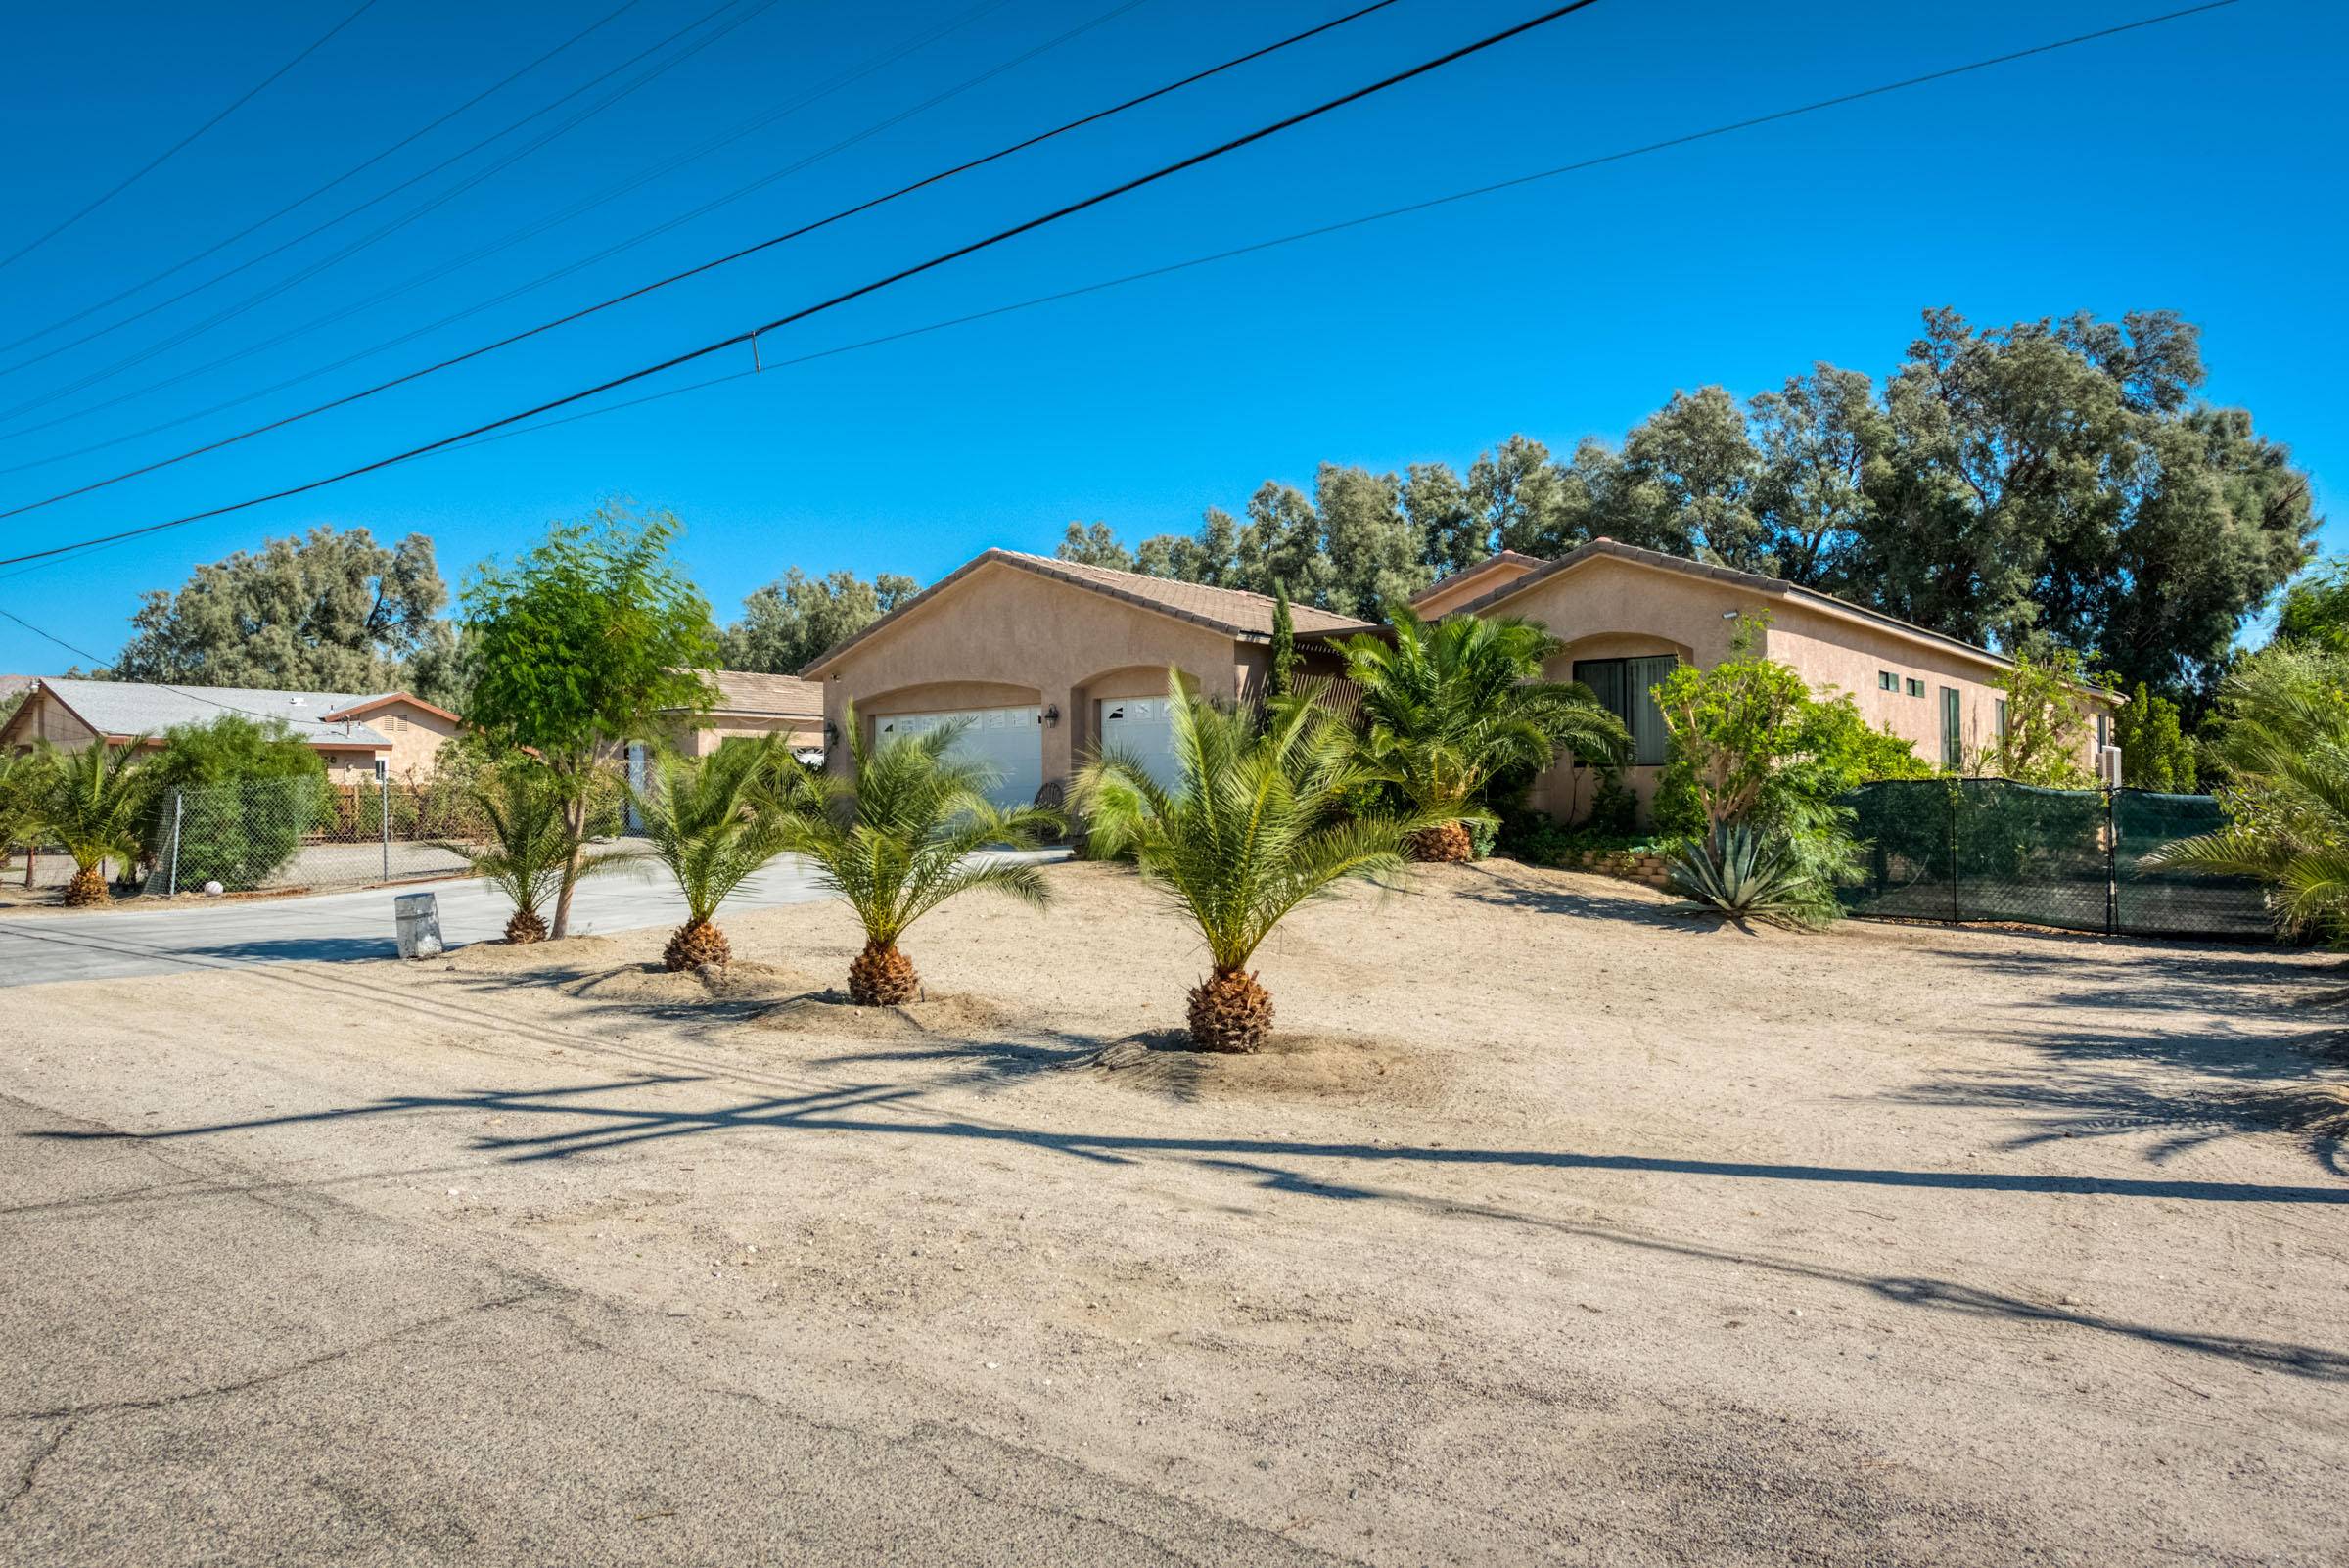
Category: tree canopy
[2055,482]
[331,611]
[793,619]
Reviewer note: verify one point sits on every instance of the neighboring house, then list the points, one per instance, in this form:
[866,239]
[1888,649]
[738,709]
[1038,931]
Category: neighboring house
[350,731]
[1627,616]
[1045,659]
[747,704]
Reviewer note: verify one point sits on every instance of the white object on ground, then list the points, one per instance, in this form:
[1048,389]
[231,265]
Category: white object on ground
[214,889]
[419,919]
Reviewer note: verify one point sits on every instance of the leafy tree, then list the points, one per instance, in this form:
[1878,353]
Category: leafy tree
[899,836]
[1094,546]
[1281,679]
[2282,736]
[588,641]
[2314,612]
[788,624]
[1446,708]
[332,610]
[530,847]
[1751,787]
[2048,715]
[253,788]
[23,776]
[93,802]
[1253,829]
[715,821]
[2155,753]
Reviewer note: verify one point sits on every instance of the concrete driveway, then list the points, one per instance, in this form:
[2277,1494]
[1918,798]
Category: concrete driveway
[41,946]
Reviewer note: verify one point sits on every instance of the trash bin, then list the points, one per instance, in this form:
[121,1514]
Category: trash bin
[419,915]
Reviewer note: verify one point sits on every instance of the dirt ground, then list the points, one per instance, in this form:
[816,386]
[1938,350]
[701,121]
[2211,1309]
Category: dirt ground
[1556,1227]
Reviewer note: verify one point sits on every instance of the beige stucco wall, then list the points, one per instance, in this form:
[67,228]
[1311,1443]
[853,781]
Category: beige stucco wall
[1610,608]
[416,736]
[1005,637]
[42,718]
[1461,586]
[355,765]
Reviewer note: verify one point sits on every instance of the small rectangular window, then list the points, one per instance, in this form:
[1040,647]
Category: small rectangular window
[1998,715]
[1952,737]
[1886,680]
[1917,687]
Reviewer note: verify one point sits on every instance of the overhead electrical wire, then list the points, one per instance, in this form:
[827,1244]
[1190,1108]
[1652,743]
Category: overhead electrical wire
[357,169]
[699,268]
[751,335]
[500,429]
[168,153]
[279,287]
[536,226]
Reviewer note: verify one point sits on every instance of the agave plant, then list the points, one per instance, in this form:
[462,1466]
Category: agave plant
[92,801]
[1448,708]
[1253,830]
[532,848]
[1748,875]
[2285,743]
[715,821]
[901,834]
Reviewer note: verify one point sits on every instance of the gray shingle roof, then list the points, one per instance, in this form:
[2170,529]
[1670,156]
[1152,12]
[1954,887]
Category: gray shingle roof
[128,708]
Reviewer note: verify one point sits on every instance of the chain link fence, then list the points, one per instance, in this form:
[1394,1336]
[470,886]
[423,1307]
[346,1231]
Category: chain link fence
[306,833]
[1986,848]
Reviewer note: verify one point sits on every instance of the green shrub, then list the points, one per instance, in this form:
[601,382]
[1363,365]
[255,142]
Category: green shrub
[250,790]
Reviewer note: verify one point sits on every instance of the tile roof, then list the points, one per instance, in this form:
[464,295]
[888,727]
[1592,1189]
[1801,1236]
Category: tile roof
[129,707]
[1234,611]
[743,691]
[1497,558]
[10,685]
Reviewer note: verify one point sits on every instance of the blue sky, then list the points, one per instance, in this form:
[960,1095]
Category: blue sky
[2193,166]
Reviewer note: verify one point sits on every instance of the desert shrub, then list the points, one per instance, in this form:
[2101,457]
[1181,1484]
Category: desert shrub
[1749,877]
[1753,748]
[2047,711]
[2156,753]
[250,790]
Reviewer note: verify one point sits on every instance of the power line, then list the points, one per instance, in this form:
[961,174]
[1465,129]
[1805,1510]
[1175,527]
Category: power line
[168,153]
[282,285]
[699,270]
[347,174]
[481,434]
[526,231]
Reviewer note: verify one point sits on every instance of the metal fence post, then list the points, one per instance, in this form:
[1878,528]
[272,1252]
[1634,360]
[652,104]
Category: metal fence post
[382,788]
[171,886]
[2112,866]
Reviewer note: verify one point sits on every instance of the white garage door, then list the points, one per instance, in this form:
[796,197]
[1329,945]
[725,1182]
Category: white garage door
[1010,741]
[1143,728]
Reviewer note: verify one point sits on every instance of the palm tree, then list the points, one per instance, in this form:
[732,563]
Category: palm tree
[2283,740]
[92,801]
[899,836]
[1253,830]
[1448,708]
[531,846]
[715,821]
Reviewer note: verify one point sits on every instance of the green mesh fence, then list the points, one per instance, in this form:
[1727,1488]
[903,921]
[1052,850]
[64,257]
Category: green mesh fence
[1984,849]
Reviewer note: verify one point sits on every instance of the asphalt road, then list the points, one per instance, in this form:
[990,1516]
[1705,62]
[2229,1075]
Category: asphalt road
[37,947]
[204,1364]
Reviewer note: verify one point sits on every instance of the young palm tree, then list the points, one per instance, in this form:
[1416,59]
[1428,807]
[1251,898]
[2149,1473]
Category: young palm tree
[899,836]
[1448,708]
[2284,739]
[1252,831]
[93,802]
[715,821]
[531,846]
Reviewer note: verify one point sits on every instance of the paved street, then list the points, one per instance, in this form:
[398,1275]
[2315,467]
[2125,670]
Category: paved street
[45,945]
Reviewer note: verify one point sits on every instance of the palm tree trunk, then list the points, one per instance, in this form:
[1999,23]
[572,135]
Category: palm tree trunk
[1231,1012]
[882,977]
[88,886]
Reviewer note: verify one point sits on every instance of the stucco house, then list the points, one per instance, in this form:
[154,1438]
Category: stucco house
[352,731]
[1046,659]
[744,703]
[1627,616]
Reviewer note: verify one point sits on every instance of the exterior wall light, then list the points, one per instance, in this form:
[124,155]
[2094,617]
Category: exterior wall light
[1052,715]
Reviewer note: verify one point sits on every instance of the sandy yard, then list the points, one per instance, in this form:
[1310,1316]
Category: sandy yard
[1558,1228]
